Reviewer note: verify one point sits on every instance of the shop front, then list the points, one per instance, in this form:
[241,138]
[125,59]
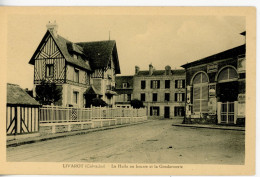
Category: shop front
[216,88]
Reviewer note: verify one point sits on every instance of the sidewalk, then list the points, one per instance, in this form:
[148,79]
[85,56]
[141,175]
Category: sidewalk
[18,142]
[211,126]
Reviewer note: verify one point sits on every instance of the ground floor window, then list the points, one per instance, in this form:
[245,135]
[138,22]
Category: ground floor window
[75,97]
[179,111]
[154,111]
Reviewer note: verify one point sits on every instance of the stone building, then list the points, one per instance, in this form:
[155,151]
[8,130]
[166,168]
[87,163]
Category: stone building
[216,88]
[82,71]
[162,91]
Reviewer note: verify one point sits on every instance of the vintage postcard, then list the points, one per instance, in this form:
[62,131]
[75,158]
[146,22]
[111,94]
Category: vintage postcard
[128,90]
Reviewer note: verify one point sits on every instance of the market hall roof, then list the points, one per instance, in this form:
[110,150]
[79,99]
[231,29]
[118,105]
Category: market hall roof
[97,53]
[230,53]
[17,96]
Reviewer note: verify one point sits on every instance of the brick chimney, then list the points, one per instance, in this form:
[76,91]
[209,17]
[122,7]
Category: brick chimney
[137,69]
[52,27]
[150,69]
[167,70]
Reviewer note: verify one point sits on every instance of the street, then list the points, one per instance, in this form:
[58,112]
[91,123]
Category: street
[156,141]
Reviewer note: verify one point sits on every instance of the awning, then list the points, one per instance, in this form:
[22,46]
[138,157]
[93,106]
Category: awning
[92,91]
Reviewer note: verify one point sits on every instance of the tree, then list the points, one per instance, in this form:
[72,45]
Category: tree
[98,102]
[135,103]
[48,93]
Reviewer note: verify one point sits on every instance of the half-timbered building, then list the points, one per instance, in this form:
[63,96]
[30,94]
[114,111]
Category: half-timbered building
[22,111]
[82,70]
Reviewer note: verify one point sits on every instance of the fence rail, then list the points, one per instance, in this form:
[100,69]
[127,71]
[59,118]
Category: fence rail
[58,114]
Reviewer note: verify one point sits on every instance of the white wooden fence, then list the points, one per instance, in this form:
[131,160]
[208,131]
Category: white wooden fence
[58,114]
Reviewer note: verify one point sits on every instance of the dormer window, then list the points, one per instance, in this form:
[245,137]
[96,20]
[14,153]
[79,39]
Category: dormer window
[125,85]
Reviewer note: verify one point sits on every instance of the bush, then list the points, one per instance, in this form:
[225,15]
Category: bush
[137,104]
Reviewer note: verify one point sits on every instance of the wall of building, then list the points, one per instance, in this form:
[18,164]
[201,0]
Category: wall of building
[148,91]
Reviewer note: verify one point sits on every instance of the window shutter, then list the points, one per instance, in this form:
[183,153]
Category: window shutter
[183,96]
[151,84]
[183,83]
[158,83]
[175,97]
[176,83]
[158,112]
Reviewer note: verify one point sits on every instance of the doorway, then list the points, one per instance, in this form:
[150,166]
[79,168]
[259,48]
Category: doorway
[166,112]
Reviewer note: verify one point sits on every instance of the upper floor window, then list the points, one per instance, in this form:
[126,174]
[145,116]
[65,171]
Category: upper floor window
[49,70]
[179,97]
[76,75]
[180,83]
[155,84]
[125,85]
[154,96]
[143,84]
[142,96]
[167,96]
[128,97]
[167,83]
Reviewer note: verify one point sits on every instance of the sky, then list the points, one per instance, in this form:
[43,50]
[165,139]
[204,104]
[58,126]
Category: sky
[141,40]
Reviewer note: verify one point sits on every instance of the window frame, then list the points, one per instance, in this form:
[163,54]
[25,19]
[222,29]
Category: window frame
[76,75]
[48,70]
[155,95]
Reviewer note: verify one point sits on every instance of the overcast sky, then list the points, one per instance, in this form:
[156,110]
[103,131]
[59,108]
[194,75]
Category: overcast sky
[141,40]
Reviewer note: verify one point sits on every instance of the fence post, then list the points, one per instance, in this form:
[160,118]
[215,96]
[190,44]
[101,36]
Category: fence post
[90,114]
[52,112]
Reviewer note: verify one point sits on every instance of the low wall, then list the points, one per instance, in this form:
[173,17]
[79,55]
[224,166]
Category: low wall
[48,128]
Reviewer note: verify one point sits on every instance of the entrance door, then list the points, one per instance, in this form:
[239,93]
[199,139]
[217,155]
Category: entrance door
[166,112]
[227,113]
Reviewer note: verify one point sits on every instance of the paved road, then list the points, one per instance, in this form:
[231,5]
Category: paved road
[152,142]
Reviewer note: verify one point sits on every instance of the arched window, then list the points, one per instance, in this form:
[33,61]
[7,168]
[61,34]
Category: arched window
[200,93]
[228,74]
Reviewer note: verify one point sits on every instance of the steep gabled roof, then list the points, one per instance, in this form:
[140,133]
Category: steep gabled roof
[230,53]
[98,53]
[63,47]
[17,96]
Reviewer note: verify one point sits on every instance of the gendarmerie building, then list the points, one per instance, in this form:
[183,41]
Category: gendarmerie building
[82,71]
[162,91]
[216,88]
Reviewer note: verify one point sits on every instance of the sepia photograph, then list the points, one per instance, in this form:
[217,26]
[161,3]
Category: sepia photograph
[132,89]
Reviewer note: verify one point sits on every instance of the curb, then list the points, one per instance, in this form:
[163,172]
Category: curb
[208,127]
[14,143]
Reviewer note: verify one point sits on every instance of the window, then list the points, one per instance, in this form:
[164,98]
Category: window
[49,70]
[179,83]
[76,75]
[155,84]
[167,96]
[167,83]
[142,96]
[227,74]
[128,97]
[87,79]
[154,96]
[200,93]
[143,84]
[179,97]
[75,97]
[154,111]
[125,85]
